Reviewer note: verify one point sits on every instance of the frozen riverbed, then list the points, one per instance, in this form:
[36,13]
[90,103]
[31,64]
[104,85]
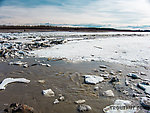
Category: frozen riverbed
[130,50]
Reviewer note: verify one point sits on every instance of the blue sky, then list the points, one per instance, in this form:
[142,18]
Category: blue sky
[35,3]
[107,13]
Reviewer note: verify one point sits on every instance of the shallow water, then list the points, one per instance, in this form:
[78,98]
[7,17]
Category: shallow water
[61,78]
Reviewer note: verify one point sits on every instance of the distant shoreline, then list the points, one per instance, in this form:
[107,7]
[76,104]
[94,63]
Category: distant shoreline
[42,28]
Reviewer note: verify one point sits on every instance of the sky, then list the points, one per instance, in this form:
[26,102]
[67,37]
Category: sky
[99,13]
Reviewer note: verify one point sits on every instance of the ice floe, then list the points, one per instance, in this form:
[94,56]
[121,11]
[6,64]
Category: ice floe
[130,50]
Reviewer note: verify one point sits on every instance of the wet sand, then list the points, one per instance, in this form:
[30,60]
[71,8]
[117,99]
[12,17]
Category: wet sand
[63,78]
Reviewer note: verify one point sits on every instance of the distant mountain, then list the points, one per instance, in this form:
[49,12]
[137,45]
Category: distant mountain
[138,27]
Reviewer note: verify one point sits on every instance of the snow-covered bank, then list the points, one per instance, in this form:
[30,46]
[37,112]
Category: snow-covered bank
[130,50]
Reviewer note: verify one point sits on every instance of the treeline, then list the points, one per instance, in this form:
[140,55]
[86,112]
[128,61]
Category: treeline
[57,28]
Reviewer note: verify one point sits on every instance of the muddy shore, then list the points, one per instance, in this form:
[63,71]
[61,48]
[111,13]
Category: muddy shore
[63,78]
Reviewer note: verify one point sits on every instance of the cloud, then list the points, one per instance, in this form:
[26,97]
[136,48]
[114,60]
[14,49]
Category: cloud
[118,12]
[4,17]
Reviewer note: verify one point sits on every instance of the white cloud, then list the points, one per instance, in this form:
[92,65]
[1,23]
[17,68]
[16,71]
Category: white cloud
[129,12]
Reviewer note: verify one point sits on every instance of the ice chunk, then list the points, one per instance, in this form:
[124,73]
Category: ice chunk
[10,80]
[80,101]
[145,87]
[134,76]
[84,107]
[145,102]
[48,93]
[18,63]
[108,93]
[92,79]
